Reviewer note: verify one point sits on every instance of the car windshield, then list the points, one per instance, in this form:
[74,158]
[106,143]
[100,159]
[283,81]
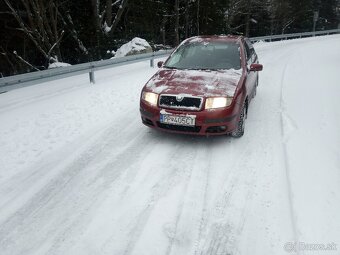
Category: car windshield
[206,55]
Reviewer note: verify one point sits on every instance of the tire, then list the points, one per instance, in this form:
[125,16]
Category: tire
[239,131]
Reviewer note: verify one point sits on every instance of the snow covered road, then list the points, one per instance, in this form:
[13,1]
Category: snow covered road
[80,174]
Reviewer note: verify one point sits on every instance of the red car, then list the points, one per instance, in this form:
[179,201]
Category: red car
[204,87]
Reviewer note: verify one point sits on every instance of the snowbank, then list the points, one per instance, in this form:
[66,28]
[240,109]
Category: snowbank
[57,64]
[135,46]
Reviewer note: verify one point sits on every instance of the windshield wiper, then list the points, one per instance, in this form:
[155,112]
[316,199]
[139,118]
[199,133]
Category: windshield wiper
[170,67]
[202,69]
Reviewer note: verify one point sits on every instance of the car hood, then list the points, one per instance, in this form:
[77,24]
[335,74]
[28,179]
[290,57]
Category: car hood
[195,82]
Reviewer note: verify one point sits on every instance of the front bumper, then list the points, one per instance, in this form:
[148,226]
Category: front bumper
[208,122]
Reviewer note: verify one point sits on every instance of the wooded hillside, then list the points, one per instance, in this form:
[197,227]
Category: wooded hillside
[36,32]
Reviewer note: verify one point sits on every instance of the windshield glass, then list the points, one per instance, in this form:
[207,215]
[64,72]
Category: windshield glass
[206,55]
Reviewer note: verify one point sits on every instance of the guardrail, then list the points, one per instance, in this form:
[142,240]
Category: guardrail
[23,80]
[295,35]
[27,79]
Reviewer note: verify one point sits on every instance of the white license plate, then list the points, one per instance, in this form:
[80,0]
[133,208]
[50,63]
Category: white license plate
[178,120]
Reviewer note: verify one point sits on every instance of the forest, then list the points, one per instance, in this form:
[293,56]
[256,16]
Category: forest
[34,33]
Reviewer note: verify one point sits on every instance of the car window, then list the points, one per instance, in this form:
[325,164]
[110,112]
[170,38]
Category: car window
[250,51]
[206,55]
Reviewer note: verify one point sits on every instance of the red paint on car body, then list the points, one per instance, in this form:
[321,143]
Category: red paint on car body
[239,85]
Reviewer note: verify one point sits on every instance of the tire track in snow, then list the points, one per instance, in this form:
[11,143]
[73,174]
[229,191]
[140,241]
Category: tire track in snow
[22,102]
[171,178]
[203,217]
[223,238]
[220,208]
[55,190]
[110,175]
[281,67]
[51,164]
[201,170]
[224,227]
[285,156]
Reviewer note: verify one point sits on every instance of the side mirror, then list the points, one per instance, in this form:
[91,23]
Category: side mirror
[159,64]
[256,67]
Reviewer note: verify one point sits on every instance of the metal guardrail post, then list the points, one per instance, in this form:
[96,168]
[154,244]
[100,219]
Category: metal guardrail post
[91,75]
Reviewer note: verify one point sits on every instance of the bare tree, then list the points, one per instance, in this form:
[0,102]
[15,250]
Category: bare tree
[68,22]
[7,56]
[39,21]
[281,16]
[242,12]
[106,20]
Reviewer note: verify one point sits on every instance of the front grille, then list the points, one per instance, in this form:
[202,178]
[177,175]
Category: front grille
[178,102]
[194,129]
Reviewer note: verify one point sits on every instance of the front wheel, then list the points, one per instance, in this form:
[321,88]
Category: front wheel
[239,131]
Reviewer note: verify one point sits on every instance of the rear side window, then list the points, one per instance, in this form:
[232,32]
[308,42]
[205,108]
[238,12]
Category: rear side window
[250,51]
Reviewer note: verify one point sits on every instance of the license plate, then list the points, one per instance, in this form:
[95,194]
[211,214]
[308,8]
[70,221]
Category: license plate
[178,120]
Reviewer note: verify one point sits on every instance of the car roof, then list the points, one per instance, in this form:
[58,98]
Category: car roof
[210,38]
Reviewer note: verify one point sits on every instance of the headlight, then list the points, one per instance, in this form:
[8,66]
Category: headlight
[151,98]
[217,102]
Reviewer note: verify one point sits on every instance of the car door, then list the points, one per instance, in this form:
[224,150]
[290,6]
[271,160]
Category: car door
[251,58]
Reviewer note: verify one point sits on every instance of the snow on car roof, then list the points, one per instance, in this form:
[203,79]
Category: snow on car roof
[203,38]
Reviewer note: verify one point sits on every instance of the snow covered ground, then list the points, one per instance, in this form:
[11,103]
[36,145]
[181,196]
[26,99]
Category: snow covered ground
[80,174]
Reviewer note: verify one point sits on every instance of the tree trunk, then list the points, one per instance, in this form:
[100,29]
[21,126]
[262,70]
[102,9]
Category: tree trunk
[187,19]
[163,29]
[176,22]
[118,16]
[247,25]
[108,13]
[95,12]
[198,17]
[271,26]
[97,25]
